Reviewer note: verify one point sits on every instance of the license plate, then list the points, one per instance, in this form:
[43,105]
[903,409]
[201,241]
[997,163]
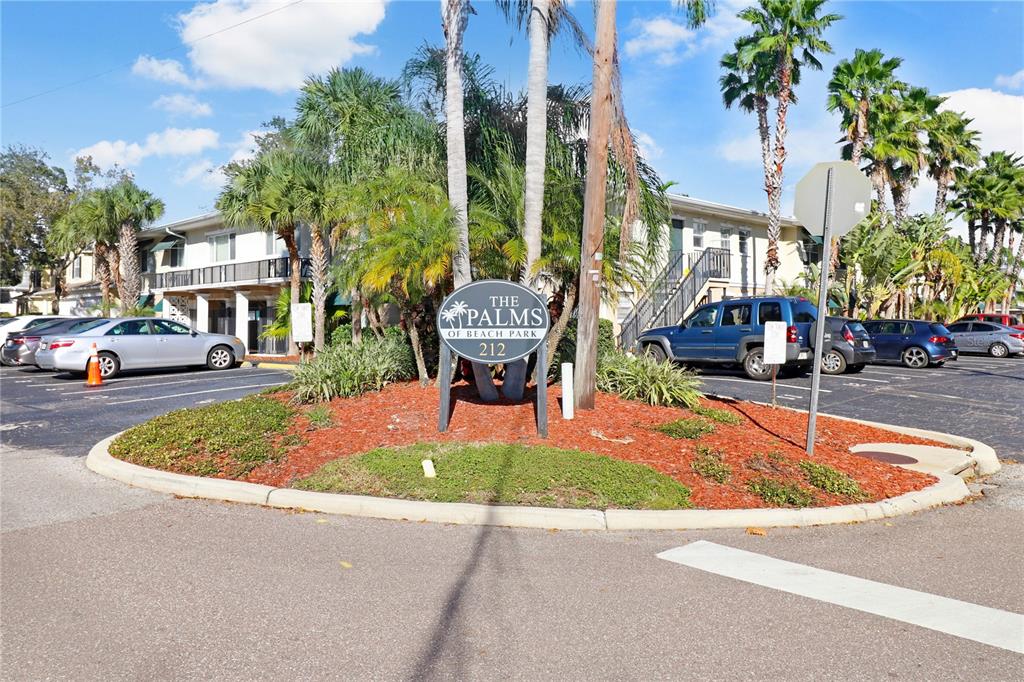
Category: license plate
[953,353]
[803,355]
[865,343]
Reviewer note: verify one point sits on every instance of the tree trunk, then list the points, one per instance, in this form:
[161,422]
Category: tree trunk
[594,208]
[941,190]
[114,265]
[417,347]
[102,270]
[373,318]
[900,201]
[536,136]
[1018,265]
[295,274]
[986,229]
[454,14]
[995,256]
[771,261]
[128,246]
[319,261]
[558,329]
[972,236]
[860,132]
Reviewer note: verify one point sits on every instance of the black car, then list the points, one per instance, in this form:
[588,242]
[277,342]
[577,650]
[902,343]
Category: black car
[851,347]
[20,347]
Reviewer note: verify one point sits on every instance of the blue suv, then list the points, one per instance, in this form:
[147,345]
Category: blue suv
[732,332]
[914,343]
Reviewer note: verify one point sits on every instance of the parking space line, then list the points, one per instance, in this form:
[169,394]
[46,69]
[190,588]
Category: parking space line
[751,382]
[854,377]
[182,395]
[977,623]
[103,389]
[70,383]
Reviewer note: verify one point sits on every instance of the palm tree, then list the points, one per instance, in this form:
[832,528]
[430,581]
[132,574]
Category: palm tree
[788,34]
[914,110]
[455,16]
[130,207]
[857,83]
[951,144]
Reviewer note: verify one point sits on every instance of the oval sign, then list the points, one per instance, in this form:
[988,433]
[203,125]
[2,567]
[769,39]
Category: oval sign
[492,321]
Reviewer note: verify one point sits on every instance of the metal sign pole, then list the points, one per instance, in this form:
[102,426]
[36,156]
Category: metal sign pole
[444,384]
[775,371]
[819,336]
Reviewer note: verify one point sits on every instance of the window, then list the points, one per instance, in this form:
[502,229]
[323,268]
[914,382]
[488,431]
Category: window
[675,235]
[769,311]
[698,234]
[86,325]
[890,328]
[177,257]
[76,268]
[271,244]
[168,327]
[907,329]
[735,314]
[803,312]
[130,328]
[744,242]
[725,239]
[222,247]
[982,327]
[147,261]
[704,317]
[958,327]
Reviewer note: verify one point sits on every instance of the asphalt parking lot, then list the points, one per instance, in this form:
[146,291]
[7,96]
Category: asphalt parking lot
[977,396]
[54,411]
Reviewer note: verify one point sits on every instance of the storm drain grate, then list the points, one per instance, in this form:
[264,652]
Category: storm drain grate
[888,457]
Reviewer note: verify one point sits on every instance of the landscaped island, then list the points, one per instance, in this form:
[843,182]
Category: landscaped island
[624,454]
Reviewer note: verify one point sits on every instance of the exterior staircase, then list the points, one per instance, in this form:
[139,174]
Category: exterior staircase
[673,291]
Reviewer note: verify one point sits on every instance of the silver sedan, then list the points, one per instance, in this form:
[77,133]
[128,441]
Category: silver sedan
[994,339]
[139,343]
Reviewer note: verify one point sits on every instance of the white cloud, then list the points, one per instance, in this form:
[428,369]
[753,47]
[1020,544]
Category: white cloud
[169,142]
[163,70]
[805,144]
[185,105]
[245,148]
[1015,81]
[275,52]
[670,41]
[999,117]
[649,149]
[205,172]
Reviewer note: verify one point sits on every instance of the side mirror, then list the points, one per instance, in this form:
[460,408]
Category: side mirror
[682,325]
[194,333]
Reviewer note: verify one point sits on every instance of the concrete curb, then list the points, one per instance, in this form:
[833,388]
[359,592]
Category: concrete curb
[985,460]
[288,367]
[948,489]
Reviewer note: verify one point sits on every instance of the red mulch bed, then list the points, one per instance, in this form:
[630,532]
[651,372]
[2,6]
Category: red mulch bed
[404,414]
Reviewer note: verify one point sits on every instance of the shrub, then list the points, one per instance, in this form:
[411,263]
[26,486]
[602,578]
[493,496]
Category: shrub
[240,432]
[566,351]
[647,380]
[692,428]
[780,494]
[831,480]
[342,335]
[718,415]
[708,464]
[352,369]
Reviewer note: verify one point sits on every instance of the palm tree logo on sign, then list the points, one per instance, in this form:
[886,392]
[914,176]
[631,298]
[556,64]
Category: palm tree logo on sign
[455,312]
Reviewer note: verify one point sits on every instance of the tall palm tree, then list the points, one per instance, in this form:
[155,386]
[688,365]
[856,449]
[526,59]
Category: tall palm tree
[131,207]
[455,16]
[788,34]
[951,144]
[913,109]
[857,83]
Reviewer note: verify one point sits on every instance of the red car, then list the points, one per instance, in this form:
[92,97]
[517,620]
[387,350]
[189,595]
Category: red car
[1008,320]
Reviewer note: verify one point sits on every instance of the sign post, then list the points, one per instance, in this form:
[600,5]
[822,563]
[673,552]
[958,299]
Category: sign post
[493,321]
[774,348]
[832,198]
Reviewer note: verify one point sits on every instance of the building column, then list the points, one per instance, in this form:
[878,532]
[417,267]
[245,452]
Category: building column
[242,318]
[202,313]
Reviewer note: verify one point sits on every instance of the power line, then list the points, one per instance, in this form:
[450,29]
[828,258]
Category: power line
[176,48]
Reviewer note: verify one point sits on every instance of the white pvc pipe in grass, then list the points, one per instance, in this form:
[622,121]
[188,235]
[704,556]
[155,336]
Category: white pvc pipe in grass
[567,399]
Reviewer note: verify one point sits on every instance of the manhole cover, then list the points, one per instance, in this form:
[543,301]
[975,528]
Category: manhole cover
[888,457]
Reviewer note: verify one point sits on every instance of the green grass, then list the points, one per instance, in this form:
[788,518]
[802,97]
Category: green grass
[718,415]
[689,427]
[780,494]
[235,436]
[831,480]
[708,464]
[501,474]
[319,416]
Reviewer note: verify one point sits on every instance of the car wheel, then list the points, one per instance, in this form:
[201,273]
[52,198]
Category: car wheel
[915,357]
[220,357]
[998,350]
[753,365]
[653,350]
[853,369]
[833,363]
[109,365]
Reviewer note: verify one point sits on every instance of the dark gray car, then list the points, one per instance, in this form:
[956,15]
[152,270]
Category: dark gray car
[993,339]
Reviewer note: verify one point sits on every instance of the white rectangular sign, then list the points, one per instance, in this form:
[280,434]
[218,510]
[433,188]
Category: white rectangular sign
[302,322]
[774,343]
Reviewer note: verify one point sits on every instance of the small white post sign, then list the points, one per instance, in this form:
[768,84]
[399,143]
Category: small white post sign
[774,343]
[302,322]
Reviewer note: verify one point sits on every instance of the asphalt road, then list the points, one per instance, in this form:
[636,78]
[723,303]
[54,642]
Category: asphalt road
[977,396]
[102,581]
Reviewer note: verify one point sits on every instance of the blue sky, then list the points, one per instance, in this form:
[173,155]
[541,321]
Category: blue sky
[174,112]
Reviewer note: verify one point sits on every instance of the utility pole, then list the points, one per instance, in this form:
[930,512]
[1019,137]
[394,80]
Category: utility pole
[594,208]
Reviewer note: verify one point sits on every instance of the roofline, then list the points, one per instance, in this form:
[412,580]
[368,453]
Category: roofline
[716,208]
[185,224]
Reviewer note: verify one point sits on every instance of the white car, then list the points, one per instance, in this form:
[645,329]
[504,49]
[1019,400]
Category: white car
[139,343]
[23,322]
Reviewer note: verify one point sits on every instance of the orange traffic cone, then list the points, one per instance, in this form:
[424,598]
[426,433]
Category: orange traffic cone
[94,378]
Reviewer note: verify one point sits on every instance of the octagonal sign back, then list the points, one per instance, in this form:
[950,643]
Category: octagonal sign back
[493,321]
[851,198]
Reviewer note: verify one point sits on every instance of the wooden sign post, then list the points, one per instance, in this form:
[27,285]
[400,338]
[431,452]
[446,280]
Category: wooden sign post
[493,321]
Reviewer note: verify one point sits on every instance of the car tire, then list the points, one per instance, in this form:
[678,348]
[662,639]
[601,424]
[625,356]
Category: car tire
[109,365]
[998,350]
[853,369]
[220,357]
[754,367]
[915,357]
[833,362]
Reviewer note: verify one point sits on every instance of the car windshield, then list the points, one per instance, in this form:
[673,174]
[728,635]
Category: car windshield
[856,328]
[49,324]
[7,320]
[86,325]
[938,328]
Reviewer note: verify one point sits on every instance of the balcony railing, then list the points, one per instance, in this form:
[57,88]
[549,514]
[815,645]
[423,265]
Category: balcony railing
[225,273]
